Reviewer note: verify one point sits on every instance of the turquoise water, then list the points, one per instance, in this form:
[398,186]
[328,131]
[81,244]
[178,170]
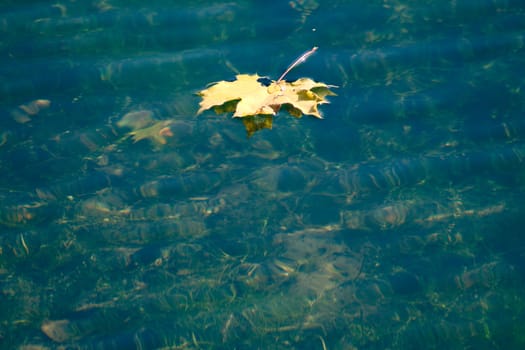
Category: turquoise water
[129,222]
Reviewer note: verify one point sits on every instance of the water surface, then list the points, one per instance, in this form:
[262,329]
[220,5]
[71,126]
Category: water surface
[128,222]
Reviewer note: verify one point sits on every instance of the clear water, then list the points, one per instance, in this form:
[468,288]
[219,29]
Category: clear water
[395,222]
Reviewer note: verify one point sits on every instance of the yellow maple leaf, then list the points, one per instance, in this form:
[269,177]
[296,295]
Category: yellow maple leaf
[250,93]
[254,98]
[303,94]
[248,97]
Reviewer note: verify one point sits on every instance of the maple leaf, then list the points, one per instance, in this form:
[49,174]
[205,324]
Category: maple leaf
[246,89]
[253,124]
[157,133]
[143,126]
[303,94]
[250,97]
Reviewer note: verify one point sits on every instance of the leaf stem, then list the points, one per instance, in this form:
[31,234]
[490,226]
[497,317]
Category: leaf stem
[298,61]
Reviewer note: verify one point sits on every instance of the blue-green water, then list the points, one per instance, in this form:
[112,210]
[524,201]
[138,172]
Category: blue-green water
[128,222]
